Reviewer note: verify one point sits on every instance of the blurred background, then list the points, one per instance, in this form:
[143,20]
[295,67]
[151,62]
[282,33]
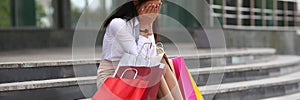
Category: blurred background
[262,38]
[50,23]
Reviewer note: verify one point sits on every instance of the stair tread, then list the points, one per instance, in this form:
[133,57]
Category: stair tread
[61,57]
[92,80]
[295,96]
[86,99]
[277,62]
[244,85]
[228,52]
[47,83]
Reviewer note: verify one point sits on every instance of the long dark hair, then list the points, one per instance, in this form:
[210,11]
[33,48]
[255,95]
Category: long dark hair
[127,11]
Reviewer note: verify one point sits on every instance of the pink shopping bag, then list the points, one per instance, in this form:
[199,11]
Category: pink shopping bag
[183,79]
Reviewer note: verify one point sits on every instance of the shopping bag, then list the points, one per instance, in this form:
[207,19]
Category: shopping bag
[164,92]
[169,88]
[183,79]
[196,89]
[149,70]
[172,66]
[121,88]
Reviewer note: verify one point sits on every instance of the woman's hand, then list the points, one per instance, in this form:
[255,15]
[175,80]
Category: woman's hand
[149,11]
[147,15]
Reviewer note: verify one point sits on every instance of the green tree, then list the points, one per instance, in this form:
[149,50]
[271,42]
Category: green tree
[39,10]
[4,13]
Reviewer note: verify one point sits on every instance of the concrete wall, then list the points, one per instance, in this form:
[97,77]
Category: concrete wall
[286,42]
[18,39]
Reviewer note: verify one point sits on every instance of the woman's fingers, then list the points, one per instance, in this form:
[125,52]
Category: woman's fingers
[150,9]
[148,12]
[157,8]
[143,9]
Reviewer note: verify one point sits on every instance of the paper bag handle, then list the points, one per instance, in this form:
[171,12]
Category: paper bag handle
[136,72]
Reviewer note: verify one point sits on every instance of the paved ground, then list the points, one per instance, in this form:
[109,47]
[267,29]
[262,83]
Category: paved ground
[90,53]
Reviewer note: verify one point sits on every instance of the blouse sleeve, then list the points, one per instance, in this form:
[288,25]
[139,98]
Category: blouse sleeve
[123,34]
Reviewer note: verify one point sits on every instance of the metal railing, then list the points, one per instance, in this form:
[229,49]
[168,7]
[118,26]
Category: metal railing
[289,18]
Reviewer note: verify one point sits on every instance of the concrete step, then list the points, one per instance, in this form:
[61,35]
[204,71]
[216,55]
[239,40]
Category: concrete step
[54,89]
[254,89]
[51,68]
[239,90]
[294,96]
[85,99]
[229,57]
[235,73]
[246,90]
[234,56]
[54,78]
[8,75]
[16,86]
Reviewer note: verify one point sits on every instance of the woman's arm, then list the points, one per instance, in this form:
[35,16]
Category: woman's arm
[125,38]
[148,12]
[123,35]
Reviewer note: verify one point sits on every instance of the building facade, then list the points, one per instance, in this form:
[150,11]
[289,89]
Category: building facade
[246,23]
[259,23]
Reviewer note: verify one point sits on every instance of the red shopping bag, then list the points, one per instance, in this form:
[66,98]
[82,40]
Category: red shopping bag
[149,67]
[121,88]
[151,74]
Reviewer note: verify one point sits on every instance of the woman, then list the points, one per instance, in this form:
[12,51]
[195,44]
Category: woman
[126,31]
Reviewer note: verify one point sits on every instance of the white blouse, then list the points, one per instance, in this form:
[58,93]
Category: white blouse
[122,37]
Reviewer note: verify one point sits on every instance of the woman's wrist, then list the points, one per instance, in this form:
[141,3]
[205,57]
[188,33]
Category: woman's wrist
[146,30]
[143,26]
